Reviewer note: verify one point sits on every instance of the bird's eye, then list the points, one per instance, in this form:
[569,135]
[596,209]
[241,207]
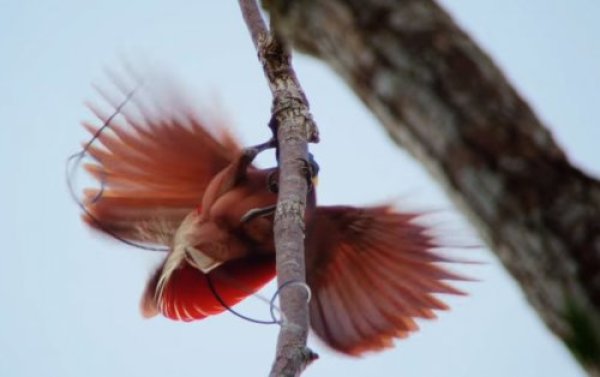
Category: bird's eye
[272,184]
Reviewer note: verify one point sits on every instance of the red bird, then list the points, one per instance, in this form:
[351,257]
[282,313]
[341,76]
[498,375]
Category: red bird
[175,181]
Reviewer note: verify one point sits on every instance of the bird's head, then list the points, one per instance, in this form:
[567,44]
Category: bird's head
[312,174]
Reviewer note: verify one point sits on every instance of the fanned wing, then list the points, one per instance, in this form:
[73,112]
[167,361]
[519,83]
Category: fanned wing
[187,295]
[372,271]
[153,166]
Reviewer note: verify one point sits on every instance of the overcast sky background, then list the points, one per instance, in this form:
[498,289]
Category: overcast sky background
[69,299]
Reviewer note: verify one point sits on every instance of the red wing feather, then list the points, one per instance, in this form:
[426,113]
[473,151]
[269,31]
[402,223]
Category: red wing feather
[372,272]
[154,169]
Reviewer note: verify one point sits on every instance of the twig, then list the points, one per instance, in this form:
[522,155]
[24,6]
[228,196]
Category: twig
[294,127]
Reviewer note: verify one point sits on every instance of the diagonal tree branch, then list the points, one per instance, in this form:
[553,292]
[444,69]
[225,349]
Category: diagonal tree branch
[294,127]
[443,99]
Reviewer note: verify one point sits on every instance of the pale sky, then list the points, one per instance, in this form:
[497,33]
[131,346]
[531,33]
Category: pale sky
[70,299]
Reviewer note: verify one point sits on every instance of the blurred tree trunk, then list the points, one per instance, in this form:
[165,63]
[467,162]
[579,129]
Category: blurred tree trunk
[441,97]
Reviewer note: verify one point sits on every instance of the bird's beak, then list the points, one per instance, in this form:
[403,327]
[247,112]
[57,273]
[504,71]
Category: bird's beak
[315,181]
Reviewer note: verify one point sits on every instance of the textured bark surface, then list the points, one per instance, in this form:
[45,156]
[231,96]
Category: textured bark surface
[294,127]
[443,99]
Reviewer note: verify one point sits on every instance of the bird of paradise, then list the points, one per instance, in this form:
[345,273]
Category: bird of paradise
[176,180]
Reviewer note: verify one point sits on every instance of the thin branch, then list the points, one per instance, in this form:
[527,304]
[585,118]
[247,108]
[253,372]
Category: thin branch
[294,127]
[254,21]
[443,99]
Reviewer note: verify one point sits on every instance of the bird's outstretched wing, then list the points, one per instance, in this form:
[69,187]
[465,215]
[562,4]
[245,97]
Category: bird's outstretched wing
[153,167]
[372,271]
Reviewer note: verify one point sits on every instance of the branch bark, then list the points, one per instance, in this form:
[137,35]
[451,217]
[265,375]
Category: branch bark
[443,99]
[294,127]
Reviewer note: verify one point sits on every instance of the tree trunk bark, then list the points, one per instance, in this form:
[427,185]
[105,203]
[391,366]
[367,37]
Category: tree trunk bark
[442,98]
